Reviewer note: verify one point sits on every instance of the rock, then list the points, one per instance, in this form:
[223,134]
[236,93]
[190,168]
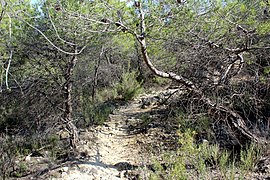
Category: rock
[63,169]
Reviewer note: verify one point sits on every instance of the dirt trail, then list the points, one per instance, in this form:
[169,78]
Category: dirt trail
[112,151]
[119,149]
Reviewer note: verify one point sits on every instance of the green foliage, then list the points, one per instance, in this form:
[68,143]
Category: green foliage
[159,171]
[179,170]
[12,149]
[223,162]
[186,141]
[97,113]
[204,156]
[53,140]
[185,154]
[177,37]
[160,81]
[146,119]
[22,169]
[249,157]
[266,70]
[264,28]
[124,41]
[201,124]
[7,154]
[106,94]
[128,88]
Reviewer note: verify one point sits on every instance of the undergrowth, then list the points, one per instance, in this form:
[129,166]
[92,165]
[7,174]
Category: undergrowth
[107,99]
[199,161]
[128,87]
[199,156]
[14,151]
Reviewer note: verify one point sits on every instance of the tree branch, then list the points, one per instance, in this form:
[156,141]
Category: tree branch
[58,48]
[235,119]
[56,32]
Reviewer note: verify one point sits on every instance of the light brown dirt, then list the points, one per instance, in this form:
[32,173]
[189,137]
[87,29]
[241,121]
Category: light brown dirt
[112,151]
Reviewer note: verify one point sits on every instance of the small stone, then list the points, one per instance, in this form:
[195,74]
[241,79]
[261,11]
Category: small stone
[28,158]
[64,169]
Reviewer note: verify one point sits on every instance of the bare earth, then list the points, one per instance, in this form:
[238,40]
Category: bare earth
[120,149]
[112,151]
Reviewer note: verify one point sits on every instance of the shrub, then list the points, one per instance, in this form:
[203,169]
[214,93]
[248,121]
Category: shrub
[7,154]
[128,87]
[249,157]
[97,113]
[192,161]
[106,94]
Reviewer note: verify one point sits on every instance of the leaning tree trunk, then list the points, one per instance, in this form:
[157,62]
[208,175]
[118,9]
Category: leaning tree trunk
[235,120]
[70,127]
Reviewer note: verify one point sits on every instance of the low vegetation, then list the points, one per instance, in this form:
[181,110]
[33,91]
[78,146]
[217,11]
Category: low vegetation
[206,161]
[66,65]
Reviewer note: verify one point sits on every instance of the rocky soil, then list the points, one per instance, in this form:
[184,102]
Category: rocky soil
[119,149]
[124,147]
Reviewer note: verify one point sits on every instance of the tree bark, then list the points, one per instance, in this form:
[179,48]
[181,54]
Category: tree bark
[96,74]
[70,127]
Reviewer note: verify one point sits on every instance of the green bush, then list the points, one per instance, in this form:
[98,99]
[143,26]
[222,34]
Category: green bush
[201,157]
[249,157]
[106,94]
[128,87]
[7,156]
[97,113]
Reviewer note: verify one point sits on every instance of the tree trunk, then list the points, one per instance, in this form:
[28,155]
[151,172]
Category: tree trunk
[235,120]
[70,127]
[96,74]
[140,77]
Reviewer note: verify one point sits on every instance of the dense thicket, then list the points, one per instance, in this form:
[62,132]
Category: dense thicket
[61,61]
